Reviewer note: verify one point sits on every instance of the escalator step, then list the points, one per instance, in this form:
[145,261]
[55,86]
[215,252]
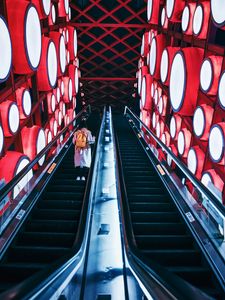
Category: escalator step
[151,207]
[62,204]
[36,254]
[51,226]
[56,214]
[46,239]
[78,195]
[164,241]
[156,198]
[159,228]
[155,217]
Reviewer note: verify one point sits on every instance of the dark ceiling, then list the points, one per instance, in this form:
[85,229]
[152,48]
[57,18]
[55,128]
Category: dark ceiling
[109,40]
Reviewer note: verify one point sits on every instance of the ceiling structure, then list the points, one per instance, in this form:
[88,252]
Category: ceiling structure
[109,41]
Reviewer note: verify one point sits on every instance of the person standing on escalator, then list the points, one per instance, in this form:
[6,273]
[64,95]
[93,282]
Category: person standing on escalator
[82,140]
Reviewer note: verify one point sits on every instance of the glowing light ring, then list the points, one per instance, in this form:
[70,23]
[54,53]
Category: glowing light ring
[5,51]
[52,64]
[26,103]
[163,17]
[13,118]
[192,161]
[1,139]
[221,90]
[40,144]
[199,121]
[206,178]
[143,91]
[164,66]
[33,40]
[153,56]
[206,75]
[181,143]
[76,80]
[22,162]
[173,127]
[185,18]
[62,54]
[53,14]
[149,9]
[217,11]
[216,143]
[75,43]
[46,6]
[177,81]
[198,19]
[169,8]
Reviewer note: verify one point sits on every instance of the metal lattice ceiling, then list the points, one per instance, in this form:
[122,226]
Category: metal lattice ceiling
[109,38]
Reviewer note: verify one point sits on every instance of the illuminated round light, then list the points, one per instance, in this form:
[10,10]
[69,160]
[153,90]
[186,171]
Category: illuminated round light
[70,13]
[185,18]
[156,98]
[33,37]
[198,20]
[41,143]
[49,137]
[66,5]
[149,9]
[199,122]
[164,65]
[158,129]
[153,89]
[63,108]
[13,118]
[169,7]
[206,75]
[58,94]
[60,118]
[206,178]
[154,120]
[23,182]
[163,138]
[181,143]
[143,91]
[216,143]
[169,158]
[1,139]
[221,92]
[62,54]
[52,64]
[26,103]
[177,81]
[163,16]
[53,13]
[68,57]
[160,105]
[75,43]
[53,103]
[217,10]
[62,87]
[70,89]
[55,127]
[5,51]
[47,6]
[153,53]
[192,161]
[173,129]
[76,80]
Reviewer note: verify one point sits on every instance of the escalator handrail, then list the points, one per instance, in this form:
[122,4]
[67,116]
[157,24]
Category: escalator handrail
[32,287]
[200,186]
[9,186]
[173,286]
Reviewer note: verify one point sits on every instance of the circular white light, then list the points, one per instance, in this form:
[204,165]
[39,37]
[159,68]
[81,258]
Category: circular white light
[68,57]
[153,53]
[52,64]
[41,143]
[222,90]
[206,75]
[143,45]
[152,90]
[163,138]
[58,94]
[143,91]
[181,143]
[218,9]
[62,87]
[26,103]
[153,120]
[63,109]
[199,121]
[13,118]
[1,139]
[149,9]
[23,182]
[173,127]
[216,143]
[60,118]
[177,81]
[66,5]
[158,129]
[49,138]
[169,7]
[160,105]
[53,102]
[192,161]
[163,16]
[70,14]
[33,37]
[185,18]
[198,20]
[53,12]
[156,98]
[76,80]
[62,54]
[55,127]
[47,6]
[70,89]
[75,43]
[164,66]
[169,158]
[206,178]
[5,51]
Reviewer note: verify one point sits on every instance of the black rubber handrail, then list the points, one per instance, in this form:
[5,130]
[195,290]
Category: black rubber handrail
[9,186]
[207,193]
[157,279]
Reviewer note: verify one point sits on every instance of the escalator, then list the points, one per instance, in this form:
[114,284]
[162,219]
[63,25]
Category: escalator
[160,233]
[50,231]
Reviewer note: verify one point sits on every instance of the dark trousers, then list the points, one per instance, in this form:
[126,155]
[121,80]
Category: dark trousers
[82,171]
